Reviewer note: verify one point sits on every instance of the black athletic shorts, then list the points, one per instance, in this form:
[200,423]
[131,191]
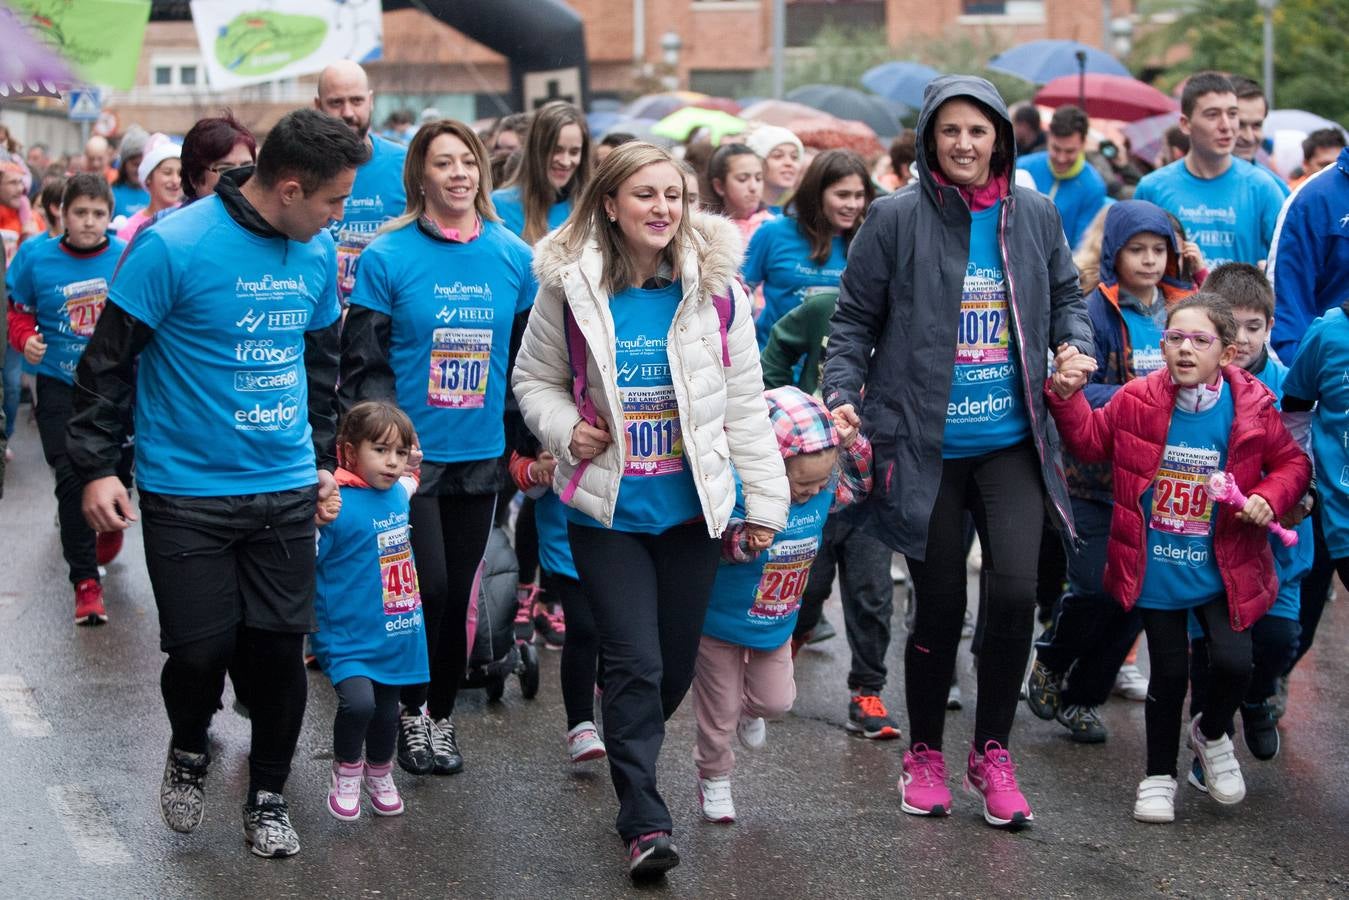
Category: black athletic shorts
[216,562]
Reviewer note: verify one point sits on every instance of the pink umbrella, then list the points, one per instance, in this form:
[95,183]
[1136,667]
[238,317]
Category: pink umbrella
[822,132]
[779,112]
[1107,96]
[26,66]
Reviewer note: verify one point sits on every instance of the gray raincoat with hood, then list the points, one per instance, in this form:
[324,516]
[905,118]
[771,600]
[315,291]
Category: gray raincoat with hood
[892,342]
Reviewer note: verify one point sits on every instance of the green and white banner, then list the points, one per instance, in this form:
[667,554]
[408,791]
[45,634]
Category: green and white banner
[264,40]
[101,39]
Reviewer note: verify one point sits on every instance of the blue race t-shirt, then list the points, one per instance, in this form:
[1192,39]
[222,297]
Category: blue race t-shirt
[986,410]
[452,306]
[1320,373]
[366,598]
[779,258]
[755,604]
[66,291]
[1293,563]
[1231,217]
[222,401]
[128,200]
[1145,341]
[1180,571]
[1078,199]
[511,208]
[656,492]
[554,548]
[377,196]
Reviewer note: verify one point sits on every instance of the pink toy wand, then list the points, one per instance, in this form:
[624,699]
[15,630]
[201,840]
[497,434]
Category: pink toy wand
[1223,488]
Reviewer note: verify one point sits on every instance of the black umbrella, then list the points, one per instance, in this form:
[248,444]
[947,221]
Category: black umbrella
[848,103]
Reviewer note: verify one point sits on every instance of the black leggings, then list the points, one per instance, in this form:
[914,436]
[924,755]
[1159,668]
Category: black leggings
[449,536]
[1004,493]
[194,676]
[649,594]
[580,652]
[1229,673]
[367,718]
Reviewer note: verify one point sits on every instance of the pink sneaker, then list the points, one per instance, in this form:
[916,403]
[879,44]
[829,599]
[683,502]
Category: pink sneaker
[384,797]
[922,790]
[344,796]
[992,777]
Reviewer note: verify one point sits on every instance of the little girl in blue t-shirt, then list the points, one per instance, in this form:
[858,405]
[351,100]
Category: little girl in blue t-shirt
[744,669]
[370,640]
[1173,550]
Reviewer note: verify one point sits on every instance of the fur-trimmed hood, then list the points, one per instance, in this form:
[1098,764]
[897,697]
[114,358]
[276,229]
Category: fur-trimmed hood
[711,257]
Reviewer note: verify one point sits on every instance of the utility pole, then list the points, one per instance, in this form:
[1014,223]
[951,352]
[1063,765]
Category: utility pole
[1267,6]
[779,48]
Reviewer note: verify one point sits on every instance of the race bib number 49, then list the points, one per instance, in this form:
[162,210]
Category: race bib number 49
[1180,505]
[397,573]
[84,304]
[461,359]
[655,442]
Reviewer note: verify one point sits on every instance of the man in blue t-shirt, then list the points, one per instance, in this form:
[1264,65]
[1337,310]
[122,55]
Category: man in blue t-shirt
[223,320]
[1062,173]
[1252,110]
[1228,207]
[378,194]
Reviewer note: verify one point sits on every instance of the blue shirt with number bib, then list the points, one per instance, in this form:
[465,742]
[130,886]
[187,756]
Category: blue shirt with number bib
[511,208]
[656,492]
[65,290]
[986,410]
[377,196]
[1180,572]
[221,397]
[452,306]
[779,258]
[1320,373]
[755,604]
[366,598]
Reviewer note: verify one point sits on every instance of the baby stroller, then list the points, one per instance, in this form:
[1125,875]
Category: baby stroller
[494,653]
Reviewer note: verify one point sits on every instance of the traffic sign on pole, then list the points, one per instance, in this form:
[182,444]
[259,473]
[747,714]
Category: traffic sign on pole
[85,105]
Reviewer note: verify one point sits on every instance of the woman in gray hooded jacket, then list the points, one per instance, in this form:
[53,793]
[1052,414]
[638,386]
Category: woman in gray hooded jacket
[957,289]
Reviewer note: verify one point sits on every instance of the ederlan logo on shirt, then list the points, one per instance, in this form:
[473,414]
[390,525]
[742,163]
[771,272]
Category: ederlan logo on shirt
[278,415]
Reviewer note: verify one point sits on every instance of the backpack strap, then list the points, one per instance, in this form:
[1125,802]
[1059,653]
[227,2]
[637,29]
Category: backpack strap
[725,306]
[576,359]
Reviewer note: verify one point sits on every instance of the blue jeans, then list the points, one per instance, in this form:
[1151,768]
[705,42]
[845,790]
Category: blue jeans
[1091,633]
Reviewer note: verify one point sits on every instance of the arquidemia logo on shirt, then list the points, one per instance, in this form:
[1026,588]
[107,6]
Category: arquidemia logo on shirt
[269,287]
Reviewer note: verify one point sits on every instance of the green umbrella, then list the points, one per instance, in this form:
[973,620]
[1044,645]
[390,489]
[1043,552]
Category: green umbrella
[679,124]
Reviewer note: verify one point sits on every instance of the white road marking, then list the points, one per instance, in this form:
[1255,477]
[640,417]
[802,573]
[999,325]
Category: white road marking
[20,709]
[88,825]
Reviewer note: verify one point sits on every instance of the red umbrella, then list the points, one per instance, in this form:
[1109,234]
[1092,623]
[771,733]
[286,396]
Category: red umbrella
[823,132]
[1107,96]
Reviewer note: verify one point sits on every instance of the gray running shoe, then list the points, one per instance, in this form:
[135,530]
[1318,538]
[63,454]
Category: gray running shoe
[182,793]
[267,828]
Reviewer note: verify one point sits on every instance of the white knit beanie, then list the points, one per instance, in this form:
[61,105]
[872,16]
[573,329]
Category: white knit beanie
[763,139]
[157,149]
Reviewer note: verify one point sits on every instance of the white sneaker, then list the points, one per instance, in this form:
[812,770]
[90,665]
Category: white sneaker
[1218,759]
[584,744]
[1130,683]
[752,732]
[715,796]
[1156,800]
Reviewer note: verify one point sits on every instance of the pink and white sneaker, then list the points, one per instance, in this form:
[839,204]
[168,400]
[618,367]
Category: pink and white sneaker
[923,790]
[584,744]
[991,776]
[344,794]
[384,797]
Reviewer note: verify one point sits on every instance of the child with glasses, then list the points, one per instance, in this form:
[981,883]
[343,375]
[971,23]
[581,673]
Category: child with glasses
[1172,550]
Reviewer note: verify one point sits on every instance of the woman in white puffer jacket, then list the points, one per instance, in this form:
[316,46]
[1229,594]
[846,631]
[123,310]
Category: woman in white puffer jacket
[670,400]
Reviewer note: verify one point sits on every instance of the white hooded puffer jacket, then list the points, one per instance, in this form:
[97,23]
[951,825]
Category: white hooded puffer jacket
[721,411]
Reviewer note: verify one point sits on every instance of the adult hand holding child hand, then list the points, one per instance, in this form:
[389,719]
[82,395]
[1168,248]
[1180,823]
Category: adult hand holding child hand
[1072,368]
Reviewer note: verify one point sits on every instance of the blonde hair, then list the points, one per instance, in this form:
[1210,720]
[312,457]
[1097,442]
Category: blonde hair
[415,167]
[589,220]
[537,194]
[1088,255]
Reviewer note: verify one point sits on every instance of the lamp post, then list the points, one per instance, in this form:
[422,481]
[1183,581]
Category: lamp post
[670,45]
[1267,7]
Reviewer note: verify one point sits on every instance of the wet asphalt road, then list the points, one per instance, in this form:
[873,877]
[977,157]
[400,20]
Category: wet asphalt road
[83,738]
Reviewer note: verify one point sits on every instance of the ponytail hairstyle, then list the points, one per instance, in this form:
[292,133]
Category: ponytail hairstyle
[717,170]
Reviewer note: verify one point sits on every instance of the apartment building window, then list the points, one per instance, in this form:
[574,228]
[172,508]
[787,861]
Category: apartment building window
[1018,10]
[169,73]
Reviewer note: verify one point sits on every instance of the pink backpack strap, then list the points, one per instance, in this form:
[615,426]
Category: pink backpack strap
[576,359]
[725,306]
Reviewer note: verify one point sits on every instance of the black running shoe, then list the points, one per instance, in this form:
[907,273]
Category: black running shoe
[868,717]
[651,855]
[1261,730]
[1042,691]
[182,793]
[1083,723]
[414,743]
[446,758]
